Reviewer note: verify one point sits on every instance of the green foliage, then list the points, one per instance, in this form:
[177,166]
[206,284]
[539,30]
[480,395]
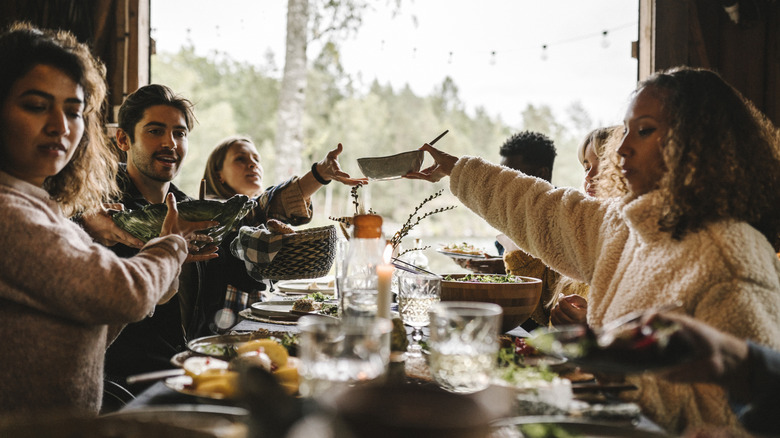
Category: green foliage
[375,120]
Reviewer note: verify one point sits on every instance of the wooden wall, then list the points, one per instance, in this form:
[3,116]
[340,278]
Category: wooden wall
[116,30]
[699,33]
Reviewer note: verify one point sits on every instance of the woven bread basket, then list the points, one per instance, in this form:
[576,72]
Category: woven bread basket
[305,254]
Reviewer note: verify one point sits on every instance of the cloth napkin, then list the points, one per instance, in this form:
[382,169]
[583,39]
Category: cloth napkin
[257,247]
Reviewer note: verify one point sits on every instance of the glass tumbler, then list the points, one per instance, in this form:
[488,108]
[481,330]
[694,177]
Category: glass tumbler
[336,355]
[464,344]
[416,294]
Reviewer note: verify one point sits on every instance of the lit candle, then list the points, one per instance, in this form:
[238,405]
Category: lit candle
[384,273]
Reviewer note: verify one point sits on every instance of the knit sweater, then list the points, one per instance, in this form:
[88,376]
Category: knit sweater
[62,300]
[725,274]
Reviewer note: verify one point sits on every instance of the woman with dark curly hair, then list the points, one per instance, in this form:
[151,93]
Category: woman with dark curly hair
[699,226]
[63,297]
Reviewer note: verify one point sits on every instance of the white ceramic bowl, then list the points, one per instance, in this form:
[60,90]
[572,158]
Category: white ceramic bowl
[392,166]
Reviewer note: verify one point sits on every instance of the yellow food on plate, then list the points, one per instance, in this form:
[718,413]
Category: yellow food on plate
[211,374]
[218,378]
[275,351]
[220,382]
[287,374]
[288,378]
[290,388]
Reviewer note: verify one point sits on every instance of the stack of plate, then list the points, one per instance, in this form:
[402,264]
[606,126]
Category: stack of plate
[325,285]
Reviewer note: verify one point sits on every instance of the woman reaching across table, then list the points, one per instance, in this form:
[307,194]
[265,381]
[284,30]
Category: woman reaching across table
[63,298]
[699,226]
[234,167]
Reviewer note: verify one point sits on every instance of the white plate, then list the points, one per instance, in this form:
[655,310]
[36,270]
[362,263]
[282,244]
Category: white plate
[324,285]
[275,310]
[457,255]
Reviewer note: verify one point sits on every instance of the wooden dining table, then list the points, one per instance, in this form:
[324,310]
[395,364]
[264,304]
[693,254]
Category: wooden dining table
[159,395]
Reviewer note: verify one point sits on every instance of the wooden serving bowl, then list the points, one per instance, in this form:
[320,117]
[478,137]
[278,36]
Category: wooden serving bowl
[517,300]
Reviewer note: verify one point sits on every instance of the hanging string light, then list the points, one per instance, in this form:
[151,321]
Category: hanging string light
[546,47]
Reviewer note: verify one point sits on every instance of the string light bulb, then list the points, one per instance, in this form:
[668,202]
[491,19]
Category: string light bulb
[449,60]
[544,52]
[605,39]
[493,57]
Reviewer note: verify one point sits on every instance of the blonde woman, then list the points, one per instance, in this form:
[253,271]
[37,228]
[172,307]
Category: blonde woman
[235,167]
[602,179]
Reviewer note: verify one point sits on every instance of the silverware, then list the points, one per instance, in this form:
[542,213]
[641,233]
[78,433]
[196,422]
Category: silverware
[408,267]
[437,138]
[154,375]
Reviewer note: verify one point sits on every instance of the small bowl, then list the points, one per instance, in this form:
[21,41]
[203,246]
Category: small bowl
[517,300]
[392,166]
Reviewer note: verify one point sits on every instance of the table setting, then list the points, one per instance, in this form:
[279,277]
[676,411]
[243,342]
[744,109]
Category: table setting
[381,346]
[458,357]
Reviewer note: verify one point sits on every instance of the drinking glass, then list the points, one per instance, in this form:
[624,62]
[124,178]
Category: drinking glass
[464,344]
[342,246]
[335,355]
[416,294]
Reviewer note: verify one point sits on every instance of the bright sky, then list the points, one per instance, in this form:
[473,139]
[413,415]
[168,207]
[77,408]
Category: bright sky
[450,38]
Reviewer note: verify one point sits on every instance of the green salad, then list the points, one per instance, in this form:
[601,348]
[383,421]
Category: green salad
[478,278]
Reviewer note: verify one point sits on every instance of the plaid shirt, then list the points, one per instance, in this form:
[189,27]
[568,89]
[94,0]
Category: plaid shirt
[230,282]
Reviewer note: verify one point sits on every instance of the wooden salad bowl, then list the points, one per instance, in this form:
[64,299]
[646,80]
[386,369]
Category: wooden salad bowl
[517,300]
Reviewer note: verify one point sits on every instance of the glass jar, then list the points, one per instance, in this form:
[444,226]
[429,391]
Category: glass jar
[358,281]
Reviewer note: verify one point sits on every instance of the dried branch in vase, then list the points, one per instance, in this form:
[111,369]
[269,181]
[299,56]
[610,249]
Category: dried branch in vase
[346,222]
[414,219]
[406,251]
[356,202]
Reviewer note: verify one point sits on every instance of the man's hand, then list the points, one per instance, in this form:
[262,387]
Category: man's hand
[173,224]
[103,230]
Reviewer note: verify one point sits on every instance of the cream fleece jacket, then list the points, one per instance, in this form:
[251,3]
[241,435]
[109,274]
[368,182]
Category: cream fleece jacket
[726,274]
[63,298]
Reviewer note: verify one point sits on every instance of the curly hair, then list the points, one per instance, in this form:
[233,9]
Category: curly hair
[89,179]
[537,149]
[720,152]
[215,188]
